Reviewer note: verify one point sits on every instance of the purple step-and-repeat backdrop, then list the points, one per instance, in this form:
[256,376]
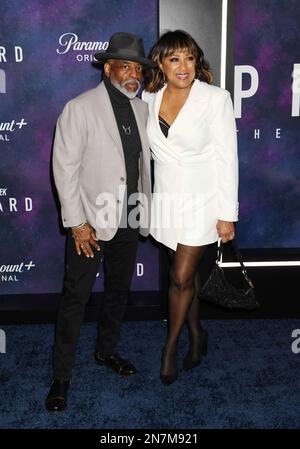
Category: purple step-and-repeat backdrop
[46,50]
[46,53]
[267,104]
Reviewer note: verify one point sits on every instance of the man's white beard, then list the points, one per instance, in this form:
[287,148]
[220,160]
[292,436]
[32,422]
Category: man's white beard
[123,89]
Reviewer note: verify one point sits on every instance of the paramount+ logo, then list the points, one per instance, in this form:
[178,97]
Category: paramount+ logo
[12,272]
[83,50]
[9,128]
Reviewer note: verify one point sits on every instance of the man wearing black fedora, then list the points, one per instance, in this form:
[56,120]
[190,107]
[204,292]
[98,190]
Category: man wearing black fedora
[101,166]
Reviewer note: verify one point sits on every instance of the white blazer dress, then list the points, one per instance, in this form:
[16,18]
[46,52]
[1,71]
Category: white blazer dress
[195,167]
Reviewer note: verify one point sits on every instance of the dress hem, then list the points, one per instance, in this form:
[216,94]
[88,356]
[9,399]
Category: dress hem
[202,243]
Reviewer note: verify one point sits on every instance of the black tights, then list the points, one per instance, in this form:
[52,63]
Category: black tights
[183,302]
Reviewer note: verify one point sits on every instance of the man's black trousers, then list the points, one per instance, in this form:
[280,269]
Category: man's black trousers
[119,261]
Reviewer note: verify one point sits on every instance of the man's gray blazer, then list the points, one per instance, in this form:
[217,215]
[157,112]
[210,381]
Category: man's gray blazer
[89,166]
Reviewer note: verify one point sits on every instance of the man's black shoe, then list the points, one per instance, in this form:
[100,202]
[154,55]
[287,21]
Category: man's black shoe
[116,363]
[56,400]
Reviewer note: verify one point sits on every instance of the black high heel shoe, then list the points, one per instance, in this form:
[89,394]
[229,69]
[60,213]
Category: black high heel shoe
[190,361]
[168,379]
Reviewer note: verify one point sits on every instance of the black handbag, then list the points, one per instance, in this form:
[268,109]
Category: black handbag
[220,292]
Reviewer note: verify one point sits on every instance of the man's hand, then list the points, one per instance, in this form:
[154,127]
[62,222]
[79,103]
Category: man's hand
[225,230]
[85,238]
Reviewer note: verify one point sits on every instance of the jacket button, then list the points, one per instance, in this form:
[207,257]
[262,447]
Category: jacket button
[122,179]
[118,201]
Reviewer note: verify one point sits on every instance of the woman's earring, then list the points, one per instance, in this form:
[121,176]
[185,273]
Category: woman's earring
[164,78]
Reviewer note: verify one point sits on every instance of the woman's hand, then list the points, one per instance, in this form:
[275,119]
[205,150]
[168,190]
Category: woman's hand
[84,237]
[225,230]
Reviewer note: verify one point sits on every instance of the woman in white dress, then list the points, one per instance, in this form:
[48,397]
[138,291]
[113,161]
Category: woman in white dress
[192,133]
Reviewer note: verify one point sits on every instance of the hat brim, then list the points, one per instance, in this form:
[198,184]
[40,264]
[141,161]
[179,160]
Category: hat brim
[126,57]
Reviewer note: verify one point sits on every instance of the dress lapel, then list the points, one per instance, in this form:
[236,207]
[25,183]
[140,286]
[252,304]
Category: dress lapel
[157,104]
[195,95]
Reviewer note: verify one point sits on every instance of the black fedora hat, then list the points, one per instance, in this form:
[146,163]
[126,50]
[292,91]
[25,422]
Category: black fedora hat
[125,46]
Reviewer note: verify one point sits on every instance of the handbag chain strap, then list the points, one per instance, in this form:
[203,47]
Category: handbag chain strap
[238,256]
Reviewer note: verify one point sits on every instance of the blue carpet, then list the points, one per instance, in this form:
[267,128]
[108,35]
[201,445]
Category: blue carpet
[249,379]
